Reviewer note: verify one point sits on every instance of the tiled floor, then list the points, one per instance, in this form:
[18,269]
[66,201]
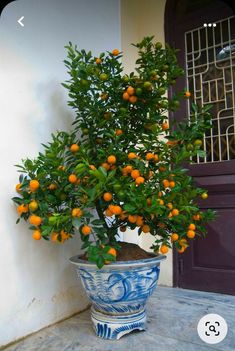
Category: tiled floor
[173,315]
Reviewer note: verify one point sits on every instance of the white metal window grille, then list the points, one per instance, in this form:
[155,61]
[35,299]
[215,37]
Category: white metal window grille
[210,62]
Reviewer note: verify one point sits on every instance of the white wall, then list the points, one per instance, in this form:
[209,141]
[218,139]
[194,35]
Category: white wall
[38,285]
[138,19]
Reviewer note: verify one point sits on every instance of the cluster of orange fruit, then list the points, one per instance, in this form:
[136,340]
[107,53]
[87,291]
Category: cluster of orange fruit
[129,95]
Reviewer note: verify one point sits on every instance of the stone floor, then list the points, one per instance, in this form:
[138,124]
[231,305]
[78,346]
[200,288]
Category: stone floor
[173,315]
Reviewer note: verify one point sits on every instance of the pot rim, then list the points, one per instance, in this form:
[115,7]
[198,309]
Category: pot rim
[119,264]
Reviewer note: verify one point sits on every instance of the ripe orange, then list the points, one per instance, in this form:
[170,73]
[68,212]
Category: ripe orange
[169,205]
[117,210]
[162,169]
[145,228]
[161,202]
[61,168]
[156,158]
[131,155]
[165,126]
[191,234]
[149,156]
[139,180]
[105,165]
[129,169]
[125,96]
[107,196]
[118,132]
[166,183]
[197,217]
[77,212]
[160,193]
[175,212]
[92,167]
[115,52]
[161,225]
[86,230]
[52,186]
[187,94]
[164,249]
[133,99]
[191,226]
[174,237]
[204,196]
[54,236]
[113,252]
[130,90]
[74,147]
[139,221]
[22,209]
[72,178]
[149,202]
[36,235]
[132,218]
[135,173]
[108,212]
[111,159]
[98,61]
[35,220]
[64,235]
[183,242]
[169,215]
[18,186]
[182,249]
[34,185]
[33,206]
[172,184]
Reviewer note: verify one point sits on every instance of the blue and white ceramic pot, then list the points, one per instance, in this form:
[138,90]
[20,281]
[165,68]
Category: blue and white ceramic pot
[118,293]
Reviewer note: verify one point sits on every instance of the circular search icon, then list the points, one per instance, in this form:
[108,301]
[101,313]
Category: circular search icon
[212,328]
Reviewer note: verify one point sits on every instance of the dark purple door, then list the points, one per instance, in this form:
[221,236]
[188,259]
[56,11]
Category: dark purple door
[205,33]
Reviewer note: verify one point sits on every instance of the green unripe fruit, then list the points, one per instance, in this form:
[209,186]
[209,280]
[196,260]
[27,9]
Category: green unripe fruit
[103,77]
[63,196]
[198,142]
[125,79]
[117,187]
[123,110]
[161,91]
[147,85]
[138,91]
[175,103]
[121,194]
[189,147]
[52,220]
[85,131]
[158,45]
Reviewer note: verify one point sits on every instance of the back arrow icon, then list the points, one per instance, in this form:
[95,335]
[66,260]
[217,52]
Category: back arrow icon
[20,21]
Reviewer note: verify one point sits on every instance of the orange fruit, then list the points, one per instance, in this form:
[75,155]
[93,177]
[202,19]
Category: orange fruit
[139,221]
[187,94]
[105,165]
[135,173]
[117,210]
[197,217]
[86,230]
[160,193]
[34,185]
[149,156]
[74,147]
[77,212]
[131,155]
[54,236]
[129,169]
[191,226]
[139,180]
[111,159]
[98,61]
[61,168]
[22,209]
[133,99]
[130,90]
[156,158]
[169,205]
[169,215]
[161,202]
[18,186]
[183,242]
[161,225]
[112,252]
[145,228]
[115,52]
[166,183]
[92,167]
[123,216]
[164,249]
[64,235]
[149,202]
[33,206]
[108,212]
[125,96]
[162,169]
[36,235]
[72,178]
[174,237]
[182,249]
[35,220]
[118,132]
[172,184]
[191,234]
[165,126]
[107,196]
[104,96]
[124,172]
[132,218]
[175,212]
[52,186]
[204,196]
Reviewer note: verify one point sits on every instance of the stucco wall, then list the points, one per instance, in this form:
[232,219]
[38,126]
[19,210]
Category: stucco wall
[138,19]
[38,285]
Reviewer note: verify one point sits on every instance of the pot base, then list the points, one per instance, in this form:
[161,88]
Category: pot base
[114,327]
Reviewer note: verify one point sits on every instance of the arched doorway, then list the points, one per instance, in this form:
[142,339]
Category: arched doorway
[204,31]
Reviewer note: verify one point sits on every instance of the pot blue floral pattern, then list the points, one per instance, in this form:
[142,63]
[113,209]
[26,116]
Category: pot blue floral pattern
[118,293]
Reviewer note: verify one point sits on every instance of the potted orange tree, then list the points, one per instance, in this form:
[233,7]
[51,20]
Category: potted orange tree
[121,167]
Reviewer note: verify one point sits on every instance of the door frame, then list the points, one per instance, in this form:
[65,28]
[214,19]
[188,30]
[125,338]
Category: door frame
[170,28]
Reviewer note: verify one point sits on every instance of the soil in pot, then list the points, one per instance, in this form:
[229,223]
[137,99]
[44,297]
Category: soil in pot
[129,252]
